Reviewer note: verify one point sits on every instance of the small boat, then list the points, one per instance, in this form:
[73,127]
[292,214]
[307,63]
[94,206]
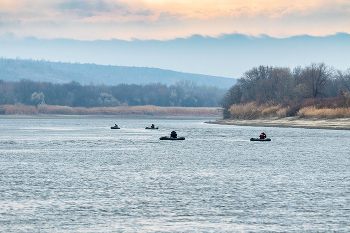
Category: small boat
[258,139]
[151,128]
[115,127]
[170,138]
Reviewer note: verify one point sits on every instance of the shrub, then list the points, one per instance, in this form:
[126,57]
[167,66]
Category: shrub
[283,112]
[271,111]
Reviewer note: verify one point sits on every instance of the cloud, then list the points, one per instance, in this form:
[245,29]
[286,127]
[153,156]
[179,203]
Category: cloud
[167,19]
[147,12]
[83,5]
[166,16]
[80,9]
[103,11]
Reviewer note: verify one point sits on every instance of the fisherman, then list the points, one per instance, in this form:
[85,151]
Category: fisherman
[115,125]
[173,134]
[152,126]
[262,135]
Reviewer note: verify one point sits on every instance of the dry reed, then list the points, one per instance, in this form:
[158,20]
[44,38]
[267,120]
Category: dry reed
[246,111]
[253,111]
[324,112]
[320,108]
[18,109]
[282,112]
[120,110]
[271,111]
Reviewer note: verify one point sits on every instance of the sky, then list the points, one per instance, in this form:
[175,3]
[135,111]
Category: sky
[168,19]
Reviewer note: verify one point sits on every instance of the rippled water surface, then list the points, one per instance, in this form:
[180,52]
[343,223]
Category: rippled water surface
[78,175]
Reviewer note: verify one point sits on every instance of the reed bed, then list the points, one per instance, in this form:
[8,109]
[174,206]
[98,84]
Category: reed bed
[310,108]
[120,110]
[327,108]
[271,111]
[246,111]
[18,109]
[324,112]
[253,110]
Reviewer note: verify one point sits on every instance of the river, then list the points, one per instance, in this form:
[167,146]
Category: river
[79,175]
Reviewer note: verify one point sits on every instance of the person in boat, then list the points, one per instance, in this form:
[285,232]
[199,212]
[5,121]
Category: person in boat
[173,134]
[262,135]
[152,126]
[115,125]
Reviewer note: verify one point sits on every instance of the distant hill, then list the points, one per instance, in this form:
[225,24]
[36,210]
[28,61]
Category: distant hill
[226,56]
[58,72]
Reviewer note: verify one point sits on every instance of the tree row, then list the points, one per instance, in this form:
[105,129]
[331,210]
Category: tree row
[73,94]
[266,84]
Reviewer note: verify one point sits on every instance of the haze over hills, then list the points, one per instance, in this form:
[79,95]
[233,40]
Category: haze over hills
[227,56]
[58,72]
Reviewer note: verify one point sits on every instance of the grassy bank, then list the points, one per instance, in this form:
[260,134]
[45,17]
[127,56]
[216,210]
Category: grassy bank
[120,110]
[310,108]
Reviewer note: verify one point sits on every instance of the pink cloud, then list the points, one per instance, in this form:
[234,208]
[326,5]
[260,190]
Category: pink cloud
[162,19]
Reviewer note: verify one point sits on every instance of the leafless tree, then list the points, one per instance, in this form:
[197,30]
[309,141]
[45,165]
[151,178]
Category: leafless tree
[255,84]
[232,96]
[344,77]
[315,77]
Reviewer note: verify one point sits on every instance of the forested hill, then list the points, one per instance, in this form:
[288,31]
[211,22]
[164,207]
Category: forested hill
[57,72]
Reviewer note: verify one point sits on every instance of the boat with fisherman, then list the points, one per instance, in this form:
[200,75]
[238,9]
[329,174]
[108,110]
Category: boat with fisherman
[115,127]
[152,127]
[261,138]
[173,136]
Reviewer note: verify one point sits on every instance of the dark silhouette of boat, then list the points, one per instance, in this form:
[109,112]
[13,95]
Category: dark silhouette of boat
[171,138]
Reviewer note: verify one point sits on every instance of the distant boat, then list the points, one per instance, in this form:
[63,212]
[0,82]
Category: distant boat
[115,127]
[151,128]
[170,138]
[258,139]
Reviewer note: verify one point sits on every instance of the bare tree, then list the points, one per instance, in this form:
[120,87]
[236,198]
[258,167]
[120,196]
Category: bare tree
[344,77]
[232,96]
[315,77]
[266,83]
[280,84]
[255,84]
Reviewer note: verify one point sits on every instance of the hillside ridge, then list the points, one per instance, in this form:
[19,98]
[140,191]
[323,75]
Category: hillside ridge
[86,73]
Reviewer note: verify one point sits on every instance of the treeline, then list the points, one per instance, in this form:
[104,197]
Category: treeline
[73,94]
[280,88]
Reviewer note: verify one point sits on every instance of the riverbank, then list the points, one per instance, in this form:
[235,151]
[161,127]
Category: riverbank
[291,122]
[119,111]
[130,116]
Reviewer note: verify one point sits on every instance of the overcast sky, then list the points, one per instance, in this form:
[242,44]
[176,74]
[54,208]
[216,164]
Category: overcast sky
[169,19]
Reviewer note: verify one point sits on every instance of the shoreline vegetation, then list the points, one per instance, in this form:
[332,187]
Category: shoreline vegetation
[73,94]
[47,111]
[312,114]
[314,96]
[144,110]
[310,108]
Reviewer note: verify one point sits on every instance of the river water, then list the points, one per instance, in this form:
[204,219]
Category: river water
[78,175]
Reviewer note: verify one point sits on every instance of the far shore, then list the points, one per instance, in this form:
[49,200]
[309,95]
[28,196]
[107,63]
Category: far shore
[287,122]
[291,122]
[101,116]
